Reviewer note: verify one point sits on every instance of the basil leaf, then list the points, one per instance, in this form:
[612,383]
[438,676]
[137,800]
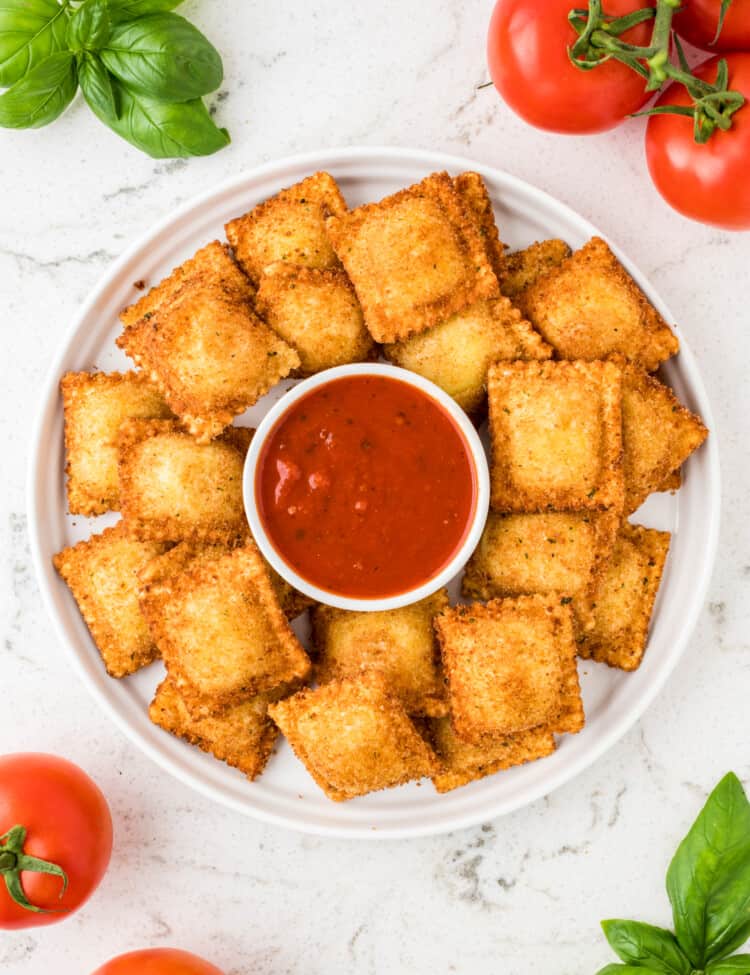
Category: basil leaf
[161,129]
[645,945]
[163,56]
[736,965]
[41,95]
[708,878]
[615,969]
[96,85]
[89,27]
[30,30]
[131,9]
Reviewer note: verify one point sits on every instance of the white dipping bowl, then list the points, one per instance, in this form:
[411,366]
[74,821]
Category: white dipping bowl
[476,453]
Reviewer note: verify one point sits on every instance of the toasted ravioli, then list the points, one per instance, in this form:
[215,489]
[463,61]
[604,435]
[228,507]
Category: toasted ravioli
[399,643]
[243,736]
[589,307]
[415,258]
[209,354]
[221,632]
[525,267]
[102,574]
[624,596]
[95,404]
[316,311]
[289,227]
[175,489]
[658,435]
[464,762]
[457,353]
[570,717]
[472,190]
[504,664]
[212,263]
[354,737]
[556,431]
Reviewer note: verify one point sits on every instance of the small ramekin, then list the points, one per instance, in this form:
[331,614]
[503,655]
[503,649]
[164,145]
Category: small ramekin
[478,459]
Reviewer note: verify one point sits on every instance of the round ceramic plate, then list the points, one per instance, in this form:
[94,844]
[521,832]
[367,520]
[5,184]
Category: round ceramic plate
[285,794]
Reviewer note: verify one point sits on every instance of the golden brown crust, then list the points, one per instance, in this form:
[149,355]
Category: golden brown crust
[589,308]
[570,718]
[102,574]
[175,489]
[525,267]
[316,311]
[289,227]
[354,737]
[556,431]
[472,189]
[398,643]
[415,258]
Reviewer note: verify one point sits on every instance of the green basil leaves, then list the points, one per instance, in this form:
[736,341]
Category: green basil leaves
[142,69]
[708,883]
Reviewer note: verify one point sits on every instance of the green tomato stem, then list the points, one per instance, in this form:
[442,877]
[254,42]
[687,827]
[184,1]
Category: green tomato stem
[13,861]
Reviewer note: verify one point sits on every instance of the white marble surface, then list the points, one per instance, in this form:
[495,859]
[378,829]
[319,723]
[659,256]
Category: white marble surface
[520,895]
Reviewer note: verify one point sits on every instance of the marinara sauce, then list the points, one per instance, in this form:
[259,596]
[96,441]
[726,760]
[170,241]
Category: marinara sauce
[366,487]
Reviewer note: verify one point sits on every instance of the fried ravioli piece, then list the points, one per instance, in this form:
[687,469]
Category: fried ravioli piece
[464,762]
[209,354]
[212,263]
[243,736]
[102,574]
[672,482]
[658,435]
[624,596]
[175,489]
[316,311]
[589,307]
[472,189]
[221,632]
[399,643]
[525,267]
[414,258]
[95,404]
[457,353]
[289,227]
[354,737]
[505,663]
[556,431]
[570,717]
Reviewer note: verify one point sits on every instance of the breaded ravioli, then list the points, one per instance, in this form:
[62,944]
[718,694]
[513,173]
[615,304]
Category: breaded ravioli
[464,762]
[415,258]
[658,435]
[525,267]
[399,643]
[589,307]
[473,191]
[95,404]
[289,227]
[102,574]
[222,633]
[354,737]
[209,354]
[175,489]
[623,599]
[457,353]
[316,311]
[556,431]
[243,736]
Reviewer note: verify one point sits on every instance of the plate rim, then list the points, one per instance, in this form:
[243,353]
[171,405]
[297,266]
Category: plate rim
[431,160]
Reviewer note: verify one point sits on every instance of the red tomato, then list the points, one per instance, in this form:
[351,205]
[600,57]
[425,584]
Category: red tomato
[705,182]
[158,961]
[529,64]
[67,823]
[697,21]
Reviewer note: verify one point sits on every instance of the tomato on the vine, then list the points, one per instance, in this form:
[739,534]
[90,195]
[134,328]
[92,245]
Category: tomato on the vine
[158,961]
[706,182]
[55,839]
[527,52]
[698,20]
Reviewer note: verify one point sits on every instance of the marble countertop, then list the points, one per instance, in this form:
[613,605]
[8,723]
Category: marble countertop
[521,894]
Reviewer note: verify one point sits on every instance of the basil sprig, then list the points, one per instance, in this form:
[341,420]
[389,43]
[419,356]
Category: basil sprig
[143,70]
[708,883]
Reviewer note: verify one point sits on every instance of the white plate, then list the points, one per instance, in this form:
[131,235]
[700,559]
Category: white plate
[285,794]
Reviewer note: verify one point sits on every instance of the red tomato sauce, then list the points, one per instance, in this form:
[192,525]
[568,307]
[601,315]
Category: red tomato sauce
[366,487]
